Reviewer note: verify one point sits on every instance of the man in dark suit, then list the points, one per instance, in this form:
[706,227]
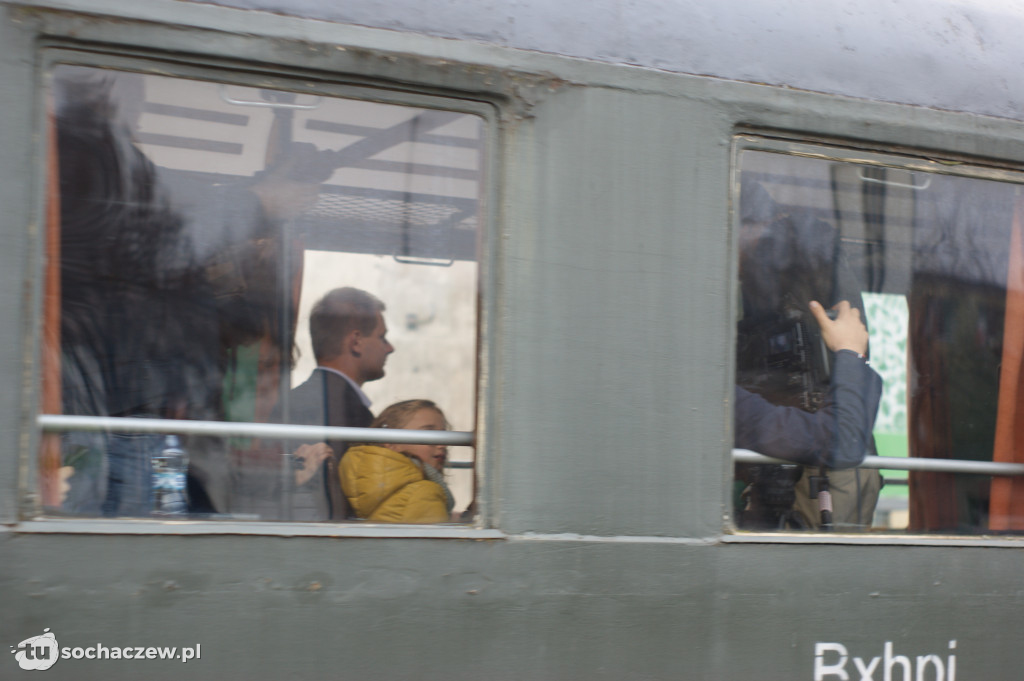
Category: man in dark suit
[350,346]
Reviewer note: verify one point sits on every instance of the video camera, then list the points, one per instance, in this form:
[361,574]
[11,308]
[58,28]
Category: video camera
[785,359]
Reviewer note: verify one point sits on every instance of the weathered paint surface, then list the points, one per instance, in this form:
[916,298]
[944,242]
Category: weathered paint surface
[610,303]
[890,51]
[511,610]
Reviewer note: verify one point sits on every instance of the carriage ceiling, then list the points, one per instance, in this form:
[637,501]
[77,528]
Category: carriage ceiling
[404,178]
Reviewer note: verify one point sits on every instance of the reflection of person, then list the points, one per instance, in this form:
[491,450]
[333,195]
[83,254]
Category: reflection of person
[838,434]
[241,232]
[350,345]
[246,236]
[400,483]
[134,329]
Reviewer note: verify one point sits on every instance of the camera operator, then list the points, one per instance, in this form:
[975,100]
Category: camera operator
[839,433]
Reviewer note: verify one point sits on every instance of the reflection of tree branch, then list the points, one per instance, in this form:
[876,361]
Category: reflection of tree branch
[963,230]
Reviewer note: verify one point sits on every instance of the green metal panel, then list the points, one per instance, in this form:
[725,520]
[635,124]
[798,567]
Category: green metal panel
[522,608]
[20,231]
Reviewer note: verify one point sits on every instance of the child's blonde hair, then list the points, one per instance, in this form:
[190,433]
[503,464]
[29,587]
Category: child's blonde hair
[399,414]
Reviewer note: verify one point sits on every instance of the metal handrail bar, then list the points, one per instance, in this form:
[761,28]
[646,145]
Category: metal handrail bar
[906,464]
[54,423]
[460,465]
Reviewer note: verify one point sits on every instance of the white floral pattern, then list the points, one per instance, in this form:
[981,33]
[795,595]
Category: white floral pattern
[888,320]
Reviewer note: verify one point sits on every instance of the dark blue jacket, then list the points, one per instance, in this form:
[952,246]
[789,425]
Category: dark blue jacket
[838,435]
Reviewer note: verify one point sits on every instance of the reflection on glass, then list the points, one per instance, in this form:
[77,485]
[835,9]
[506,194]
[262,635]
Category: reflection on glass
[196,225]
[942,248]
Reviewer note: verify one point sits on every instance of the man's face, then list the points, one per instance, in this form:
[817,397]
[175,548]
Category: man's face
[373,351]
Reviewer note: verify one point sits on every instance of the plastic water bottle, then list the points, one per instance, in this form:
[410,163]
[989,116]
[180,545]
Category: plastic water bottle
[170,478]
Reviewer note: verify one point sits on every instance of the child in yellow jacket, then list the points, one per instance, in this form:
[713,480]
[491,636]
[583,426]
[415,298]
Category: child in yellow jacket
[399,483]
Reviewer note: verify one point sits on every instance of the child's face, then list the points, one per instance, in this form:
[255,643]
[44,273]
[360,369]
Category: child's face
[430,455]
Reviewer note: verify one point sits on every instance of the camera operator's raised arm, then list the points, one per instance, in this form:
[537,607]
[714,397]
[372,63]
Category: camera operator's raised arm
[838,434]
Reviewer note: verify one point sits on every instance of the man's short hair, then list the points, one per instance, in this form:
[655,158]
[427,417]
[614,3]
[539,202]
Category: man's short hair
[338,314]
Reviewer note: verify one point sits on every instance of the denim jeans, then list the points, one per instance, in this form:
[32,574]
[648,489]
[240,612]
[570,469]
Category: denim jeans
[130,473]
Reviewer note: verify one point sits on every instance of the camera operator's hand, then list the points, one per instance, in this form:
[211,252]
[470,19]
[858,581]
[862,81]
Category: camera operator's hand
[846,331]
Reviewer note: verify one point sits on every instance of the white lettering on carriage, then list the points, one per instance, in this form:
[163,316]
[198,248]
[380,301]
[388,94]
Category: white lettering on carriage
[831,659]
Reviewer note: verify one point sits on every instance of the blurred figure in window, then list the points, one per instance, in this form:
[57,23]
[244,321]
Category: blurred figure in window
[136,328]
[248,238]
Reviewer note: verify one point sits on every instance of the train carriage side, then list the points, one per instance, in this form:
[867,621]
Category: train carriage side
[596,213]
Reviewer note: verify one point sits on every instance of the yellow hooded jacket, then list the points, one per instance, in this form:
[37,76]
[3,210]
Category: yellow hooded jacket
[385,486]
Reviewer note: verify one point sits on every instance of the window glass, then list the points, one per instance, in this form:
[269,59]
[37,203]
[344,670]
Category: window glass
[888,318]
[932,264]
[194,228]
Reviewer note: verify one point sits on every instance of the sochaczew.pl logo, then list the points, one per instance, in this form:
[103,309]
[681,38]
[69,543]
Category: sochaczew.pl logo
[38,652]
[41,652]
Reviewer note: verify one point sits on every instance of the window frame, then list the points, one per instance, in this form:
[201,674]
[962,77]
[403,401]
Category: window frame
[489,107]
[865,154]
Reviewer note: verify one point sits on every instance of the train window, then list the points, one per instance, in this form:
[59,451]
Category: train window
[930,256]
[226,257]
